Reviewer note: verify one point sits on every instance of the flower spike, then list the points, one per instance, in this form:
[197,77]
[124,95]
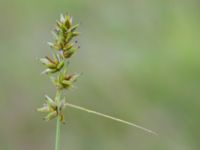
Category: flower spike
[64,47]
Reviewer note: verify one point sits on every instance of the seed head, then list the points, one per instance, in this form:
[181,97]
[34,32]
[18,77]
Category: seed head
[64,45]
[53,109]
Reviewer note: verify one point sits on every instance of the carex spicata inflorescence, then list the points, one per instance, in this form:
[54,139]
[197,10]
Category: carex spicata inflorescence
[63,47]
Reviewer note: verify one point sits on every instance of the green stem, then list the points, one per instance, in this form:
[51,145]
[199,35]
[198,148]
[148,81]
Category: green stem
[57,140]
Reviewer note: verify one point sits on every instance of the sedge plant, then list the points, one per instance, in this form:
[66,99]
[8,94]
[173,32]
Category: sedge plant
[63,47]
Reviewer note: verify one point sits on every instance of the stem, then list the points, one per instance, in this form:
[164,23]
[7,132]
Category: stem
[57,140]
[58,96]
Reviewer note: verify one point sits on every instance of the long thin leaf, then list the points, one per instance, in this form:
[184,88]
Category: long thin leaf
[110,117]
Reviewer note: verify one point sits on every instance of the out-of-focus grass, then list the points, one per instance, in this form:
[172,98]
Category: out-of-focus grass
[140,62]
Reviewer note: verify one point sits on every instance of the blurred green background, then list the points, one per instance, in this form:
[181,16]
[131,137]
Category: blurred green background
[140,62]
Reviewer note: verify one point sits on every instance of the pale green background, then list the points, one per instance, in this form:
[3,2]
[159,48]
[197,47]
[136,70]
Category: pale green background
[140,62]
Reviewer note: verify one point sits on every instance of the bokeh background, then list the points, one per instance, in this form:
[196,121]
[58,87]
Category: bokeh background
[140,62]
